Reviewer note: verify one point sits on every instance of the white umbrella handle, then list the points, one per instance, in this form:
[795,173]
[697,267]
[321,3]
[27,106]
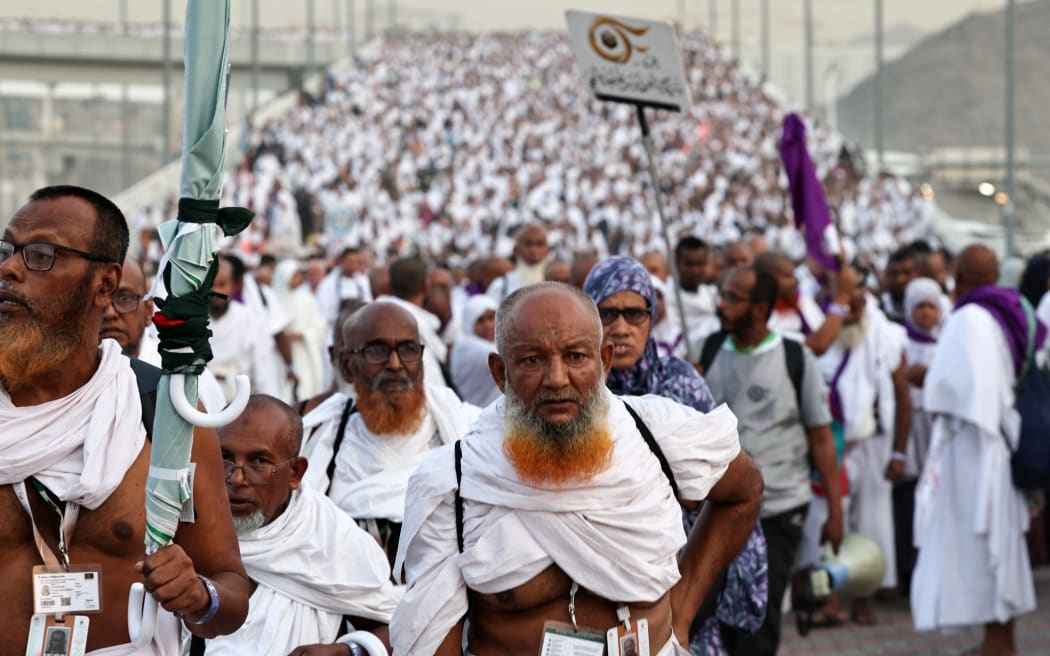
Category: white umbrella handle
[208,420]
[142,615]
[371,644]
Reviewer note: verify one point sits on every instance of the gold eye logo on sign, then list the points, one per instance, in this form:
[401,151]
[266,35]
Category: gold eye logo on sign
[611,39]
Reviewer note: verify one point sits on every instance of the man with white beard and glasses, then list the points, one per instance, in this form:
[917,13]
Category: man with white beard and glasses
[73,447]
[366,449]
[554,523]
[317,579]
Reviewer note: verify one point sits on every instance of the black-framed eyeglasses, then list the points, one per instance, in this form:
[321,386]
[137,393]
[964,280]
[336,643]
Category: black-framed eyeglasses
[257,473]
[40,255]
[126,302]
[633,315]
[379,352]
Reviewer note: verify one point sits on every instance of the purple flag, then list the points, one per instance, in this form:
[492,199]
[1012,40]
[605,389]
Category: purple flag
[807,194]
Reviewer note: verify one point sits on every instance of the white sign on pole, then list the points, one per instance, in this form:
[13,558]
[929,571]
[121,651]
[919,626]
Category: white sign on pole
[629,60]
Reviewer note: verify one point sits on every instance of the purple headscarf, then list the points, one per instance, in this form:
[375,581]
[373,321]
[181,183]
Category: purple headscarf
[670,377]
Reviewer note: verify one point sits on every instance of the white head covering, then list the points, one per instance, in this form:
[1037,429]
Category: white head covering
[476,306]
[921,290]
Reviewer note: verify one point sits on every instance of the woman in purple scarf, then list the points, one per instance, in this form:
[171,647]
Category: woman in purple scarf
[623,290]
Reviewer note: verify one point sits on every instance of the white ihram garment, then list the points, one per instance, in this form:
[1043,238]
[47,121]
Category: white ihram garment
[313,566]
[372,471]
[969,518]
[616,535]
[81,445]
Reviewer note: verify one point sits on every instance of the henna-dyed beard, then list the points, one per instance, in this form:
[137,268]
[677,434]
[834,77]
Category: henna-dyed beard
[33,346]
[543,453]
[398,413]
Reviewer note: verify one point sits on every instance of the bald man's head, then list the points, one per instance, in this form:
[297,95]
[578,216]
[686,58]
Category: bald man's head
[976,266]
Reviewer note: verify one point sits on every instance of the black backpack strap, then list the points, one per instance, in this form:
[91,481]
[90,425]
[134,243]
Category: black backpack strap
[713,342]
[795,361]
[299,409]
[459,498]
[647,435]
[196,646]
[147,377]
[348,410]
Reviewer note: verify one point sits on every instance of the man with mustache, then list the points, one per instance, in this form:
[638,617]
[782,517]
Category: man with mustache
[311,567]
[558,525]
[365,450]
[73,451]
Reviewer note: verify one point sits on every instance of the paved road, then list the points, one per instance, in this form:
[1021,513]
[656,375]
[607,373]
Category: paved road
[894,635]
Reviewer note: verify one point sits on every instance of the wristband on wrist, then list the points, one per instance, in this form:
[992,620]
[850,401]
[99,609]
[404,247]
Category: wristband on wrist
[213,603]
[838,310]
[898,456]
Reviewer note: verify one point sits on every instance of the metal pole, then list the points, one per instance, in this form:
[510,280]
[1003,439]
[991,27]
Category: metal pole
[734,19]
[807,7]
[370,19]
[391,18]
[165,152]
[880,146]
[1008,206]
[765,39]
[255,54]
[309,37]
[125,138]
[124,15]
[681,15]
[712,18]
[654,181]
[337,18]
[351,26]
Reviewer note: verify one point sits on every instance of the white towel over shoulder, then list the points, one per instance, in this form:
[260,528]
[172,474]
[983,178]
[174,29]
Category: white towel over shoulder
[616,535]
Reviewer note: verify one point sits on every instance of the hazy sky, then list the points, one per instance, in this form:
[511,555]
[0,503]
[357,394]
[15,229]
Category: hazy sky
[834,19]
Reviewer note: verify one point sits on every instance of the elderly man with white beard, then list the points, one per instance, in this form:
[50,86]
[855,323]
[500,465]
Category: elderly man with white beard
[556,516]
[365,449]
[531,251]
[870,402]
[312,570]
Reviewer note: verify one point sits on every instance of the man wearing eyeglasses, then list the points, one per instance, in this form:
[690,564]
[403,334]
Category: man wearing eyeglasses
[313,571]
[785,423]
[376,442]
[73,443]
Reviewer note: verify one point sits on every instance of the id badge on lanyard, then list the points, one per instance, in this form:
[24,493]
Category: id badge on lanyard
[61,591]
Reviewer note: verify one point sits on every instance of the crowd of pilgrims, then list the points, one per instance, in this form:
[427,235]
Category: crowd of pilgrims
[442,188]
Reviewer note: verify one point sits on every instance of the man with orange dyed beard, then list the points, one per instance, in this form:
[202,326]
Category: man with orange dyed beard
[553,526]
[365,449]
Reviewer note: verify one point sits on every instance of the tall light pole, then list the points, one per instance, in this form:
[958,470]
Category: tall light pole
[712,18]
[165,152]
[734,19]
[765,39]
[880,146]
[391,17]
[351,26]
[370,19]
[255,54]
[807,7]
[1008,206]
[309,37]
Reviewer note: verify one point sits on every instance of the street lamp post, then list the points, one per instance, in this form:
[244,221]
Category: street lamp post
[880,146]
[1008,206]
[807,7]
